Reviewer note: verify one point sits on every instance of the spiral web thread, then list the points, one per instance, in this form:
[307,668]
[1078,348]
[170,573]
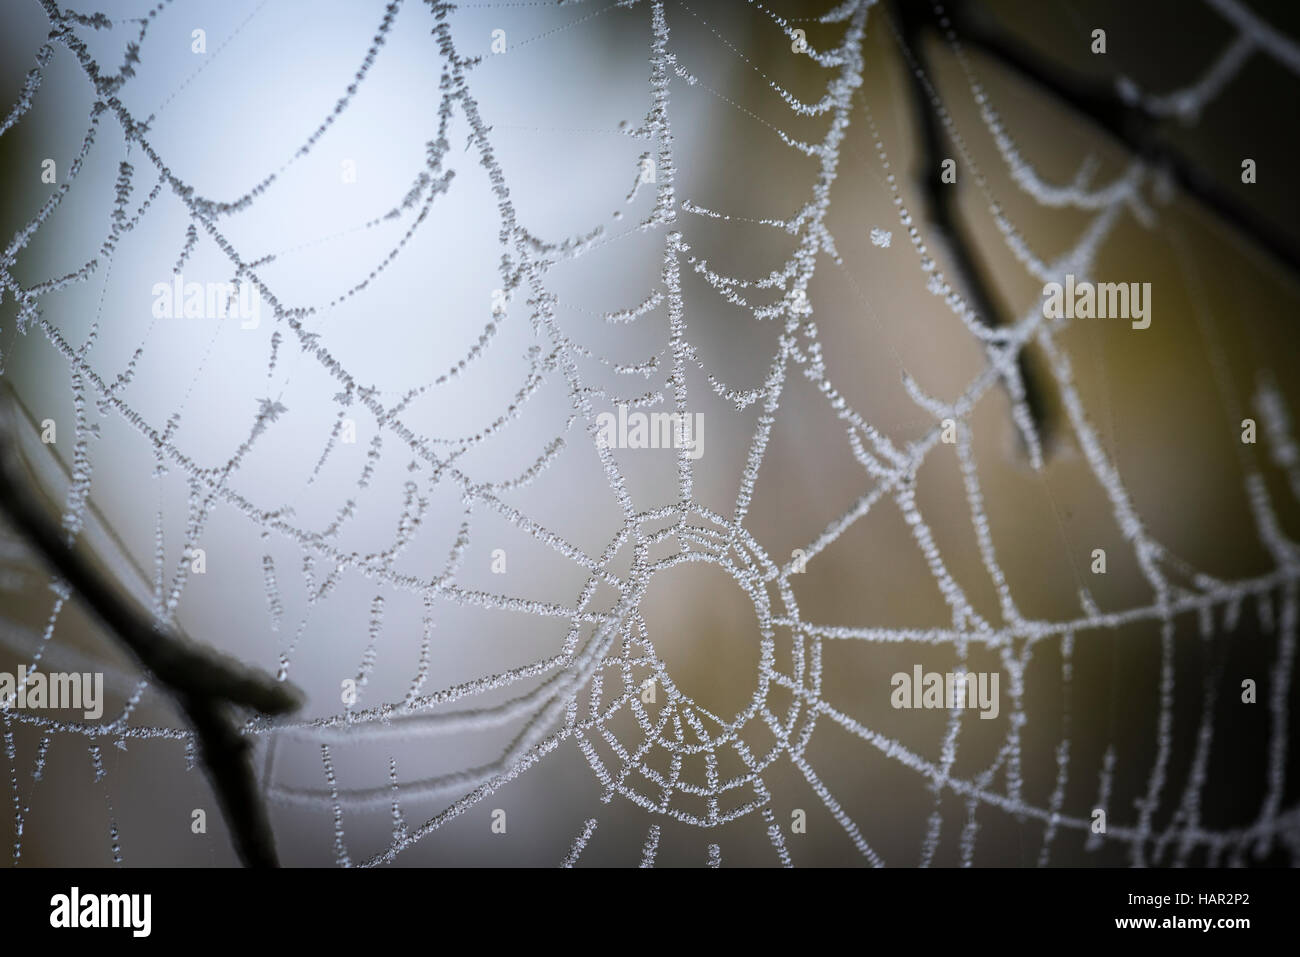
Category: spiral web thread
[614,662]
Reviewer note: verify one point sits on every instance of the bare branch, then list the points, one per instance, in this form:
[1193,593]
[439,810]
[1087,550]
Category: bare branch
[1132,123]
[941,203]
[206,684]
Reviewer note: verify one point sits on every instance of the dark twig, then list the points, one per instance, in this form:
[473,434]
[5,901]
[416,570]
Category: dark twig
[940,198]
[1130,123]
[205,683]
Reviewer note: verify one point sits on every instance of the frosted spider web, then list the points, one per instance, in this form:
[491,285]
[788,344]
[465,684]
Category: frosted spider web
[599,672]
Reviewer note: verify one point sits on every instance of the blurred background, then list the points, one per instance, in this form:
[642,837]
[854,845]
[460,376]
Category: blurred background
[411,561]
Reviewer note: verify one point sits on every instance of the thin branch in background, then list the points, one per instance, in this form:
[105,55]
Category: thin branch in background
[940,200]
[1131,121]
[206,684]
[1134,121]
